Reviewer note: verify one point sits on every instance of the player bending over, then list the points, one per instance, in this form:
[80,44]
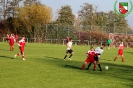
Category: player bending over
[120,52]
[90,58]
[99,51]
[21,45]
[69,49]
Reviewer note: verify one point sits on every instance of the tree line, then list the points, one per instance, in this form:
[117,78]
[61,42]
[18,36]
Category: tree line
[34,19]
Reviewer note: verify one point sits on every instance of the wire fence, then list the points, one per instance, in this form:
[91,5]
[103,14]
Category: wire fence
[86,35]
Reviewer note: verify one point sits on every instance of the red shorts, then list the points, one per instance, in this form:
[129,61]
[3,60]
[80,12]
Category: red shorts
[11,44]
[120,52]
[89,60]
[21,49]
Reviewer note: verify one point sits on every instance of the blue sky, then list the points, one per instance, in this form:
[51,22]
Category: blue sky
[103,5]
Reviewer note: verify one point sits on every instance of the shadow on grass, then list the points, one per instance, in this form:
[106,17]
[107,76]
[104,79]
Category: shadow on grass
[67,64]
[120,71]
[7,57]
[129,52]
[4,50]
[107,59]
[73,67]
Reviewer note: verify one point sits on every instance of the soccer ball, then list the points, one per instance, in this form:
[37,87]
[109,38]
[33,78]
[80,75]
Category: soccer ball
[106,67]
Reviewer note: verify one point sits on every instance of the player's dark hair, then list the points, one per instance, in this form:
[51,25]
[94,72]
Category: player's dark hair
[91,47]
[23,36]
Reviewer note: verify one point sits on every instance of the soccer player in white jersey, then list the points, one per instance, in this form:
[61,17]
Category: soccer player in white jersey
[69,49]
[99,51]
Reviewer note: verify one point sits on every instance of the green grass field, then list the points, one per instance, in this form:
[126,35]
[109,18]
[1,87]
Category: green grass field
[45,68]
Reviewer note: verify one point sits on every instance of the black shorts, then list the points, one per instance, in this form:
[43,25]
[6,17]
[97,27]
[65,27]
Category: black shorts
[69,51]
[108,44]
[96,58]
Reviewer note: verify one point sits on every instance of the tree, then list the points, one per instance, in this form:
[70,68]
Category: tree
[29,16]
[87,15]
[30,2]
[65,16]
[116,23]
[13,7]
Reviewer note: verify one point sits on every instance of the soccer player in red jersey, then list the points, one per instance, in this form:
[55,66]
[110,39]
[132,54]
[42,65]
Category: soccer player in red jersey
[90,58]
[11,42]
[21,45]
[99,51]
[16,37]
[120,52]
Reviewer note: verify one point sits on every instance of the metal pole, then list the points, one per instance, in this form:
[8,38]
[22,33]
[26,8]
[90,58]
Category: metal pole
[46,32]
[126,34]
[57,33]
[102,35]
[68,30]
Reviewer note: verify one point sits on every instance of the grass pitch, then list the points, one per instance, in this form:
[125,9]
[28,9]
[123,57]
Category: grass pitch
[45,68]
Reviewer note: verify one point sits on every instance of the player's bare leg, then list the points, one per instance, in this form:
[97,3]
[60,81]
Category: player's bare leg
[23,56]
[10,48]
[71,55]
[108,47]
[122,58]
[17,55]
[94,66]
[83,66]
[116,58]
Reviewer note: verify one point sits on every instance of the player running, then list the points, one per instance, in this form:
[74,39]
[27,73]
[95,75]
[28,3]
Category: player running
[90,58]
[21,45]
[99,51]
[120,52]
[69,49]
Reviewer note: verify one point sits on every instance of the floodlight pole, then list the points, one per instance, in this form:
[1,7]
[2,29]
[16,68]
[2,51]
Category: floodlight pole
[68,30]
[102,31]
[126,33]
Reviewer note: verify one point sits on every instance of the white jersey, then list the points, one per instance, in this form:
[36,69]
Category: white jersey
[98,50]
[69,45]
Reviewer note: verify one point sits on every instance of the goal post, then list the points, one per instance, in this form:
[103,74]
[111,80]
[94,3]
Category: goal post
[116,38]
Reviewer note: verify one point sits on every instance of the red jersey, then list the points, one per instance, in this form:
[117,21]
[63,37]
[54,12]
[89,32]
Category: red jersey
[90,56]
[11,39]
[120,52]
[16,37]
[21,44]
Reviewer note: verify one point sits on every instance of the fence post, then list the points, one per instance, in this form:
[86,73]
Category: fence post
[88,42]
[3,39]
[27,40]
[51,40]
